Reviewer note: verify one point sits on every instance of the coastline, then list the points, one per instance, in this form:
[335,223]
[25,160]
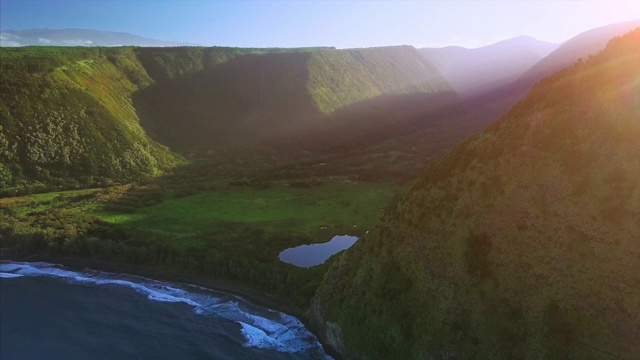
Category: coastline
[256,297]
[250,295]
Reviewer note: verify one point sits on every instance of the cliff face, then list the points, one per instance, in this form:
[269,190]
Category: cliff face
[522,243]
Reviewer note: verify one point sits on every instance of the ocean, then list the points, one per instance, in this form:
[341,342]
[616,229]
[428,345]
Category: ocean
[48,311]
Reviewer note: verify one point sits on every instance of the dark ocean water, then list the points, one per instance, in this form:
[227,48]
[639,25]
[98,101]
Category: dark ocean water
[50,312]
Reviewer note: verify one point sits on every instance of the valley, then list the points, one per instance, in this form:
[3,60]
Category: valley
[274,148]
[225,216]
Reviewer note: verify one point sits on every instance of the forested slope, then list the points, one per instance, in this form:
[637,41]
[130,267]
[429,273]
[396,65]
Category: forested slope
[67,120]
[523,243]
[344,77]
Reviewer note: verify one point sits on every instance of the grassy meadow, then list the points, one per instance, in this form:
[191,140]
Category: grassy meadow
[339,206]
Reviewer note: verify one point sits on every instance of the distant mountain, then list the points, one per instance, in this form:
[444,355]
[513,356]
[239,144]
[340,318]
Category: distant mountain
[581,46]
[473,71]
[77,37]
[522,243]
[491,103]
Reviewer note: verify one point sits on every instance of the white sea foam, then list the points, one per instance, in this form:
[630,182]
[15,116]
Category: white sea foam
[262,328]
[9,267]
[258,338]
[9,275]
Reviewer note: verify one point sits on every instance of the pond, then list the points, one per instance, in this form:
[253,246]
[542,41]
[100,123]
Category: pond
[316,254]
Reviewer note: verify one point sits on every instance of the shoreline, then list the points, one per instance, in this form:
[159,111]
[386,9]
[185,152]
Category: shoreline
[252,296]
[262,299]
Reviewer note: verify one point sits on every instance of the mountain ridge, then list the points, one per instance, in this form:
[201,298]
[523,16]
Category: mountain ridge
[493,103]
[580,46]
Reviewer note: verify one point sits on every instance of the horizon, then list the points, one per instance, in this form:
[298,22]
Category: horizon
[348,24]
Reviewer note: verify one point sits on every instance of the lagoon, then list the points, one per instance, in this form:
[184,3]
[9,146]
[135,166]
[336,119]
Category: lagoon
[316,254]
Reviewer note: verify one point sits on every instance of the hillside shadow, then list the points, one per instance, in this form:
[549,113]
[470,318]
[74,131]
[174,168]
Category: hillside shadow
[263,100]
[376,120]
[228,102]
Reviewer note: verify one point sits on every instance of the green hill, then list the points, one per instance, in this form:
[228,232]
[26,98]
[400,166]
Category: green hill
[77,117]
[522,243]
[67,120]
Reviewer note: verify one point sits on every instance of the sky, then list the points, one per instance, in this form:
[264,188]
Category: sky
[343,24]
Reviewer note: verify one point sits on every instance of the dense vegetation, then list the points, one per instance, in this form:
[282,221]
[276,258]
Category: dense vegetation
[341,78]
[522,243]
[68,120]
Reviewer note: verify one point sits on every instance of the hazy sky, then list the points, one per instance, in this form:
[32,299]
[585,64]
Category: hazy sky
[342,24]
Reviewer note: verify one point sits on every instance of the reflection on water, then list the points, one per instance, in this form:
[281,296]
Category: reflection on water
[316,254]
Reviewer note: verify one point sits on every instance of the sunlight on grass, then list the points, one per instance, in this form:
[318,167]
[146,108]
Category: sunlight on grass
[117,218]
[304,210]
